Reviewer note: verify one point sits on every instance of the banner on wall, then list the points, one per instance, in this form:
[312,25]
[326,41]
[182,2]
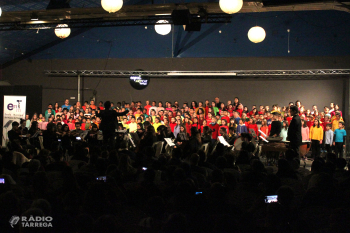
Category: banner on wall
[14,110]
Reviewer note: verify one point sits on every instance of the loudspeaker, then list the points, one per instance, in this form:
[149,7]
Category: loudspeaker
[181,17]
[193,27]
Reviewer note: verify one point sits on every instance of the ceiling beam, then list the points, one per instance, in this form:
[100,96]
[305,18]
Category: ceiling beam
[327,73]
[92,23]
[129,12]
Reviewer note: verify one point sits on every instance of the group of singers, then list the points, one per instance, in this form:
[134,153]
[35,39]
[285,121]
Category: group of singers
[195,123]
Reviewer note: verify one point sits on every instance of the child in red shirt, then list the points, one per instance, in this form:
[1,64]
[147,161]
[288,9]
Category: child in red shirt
[253,125]
[172,124]
[240,109]
[225,117]
[223,125]
[214,127]
[309,122]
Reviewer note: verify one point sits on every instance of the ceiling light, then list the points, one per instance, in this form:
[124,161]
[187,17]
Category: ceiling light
[163,27]
[231,6]
[256,34]
[62,31]
[0,11]
[34,16]
[112,6]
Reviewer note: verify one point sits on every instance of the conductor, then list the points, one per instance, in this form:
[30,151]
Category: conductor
[107,125]
[294,131]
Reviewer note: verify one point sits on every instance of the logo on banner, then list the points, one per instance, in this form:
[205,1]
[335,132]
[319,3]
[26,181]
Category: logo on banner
[16,107]
[31,221]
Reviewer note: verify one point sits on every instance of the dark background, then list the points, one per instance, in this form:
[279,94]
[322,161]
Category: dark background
[249,90]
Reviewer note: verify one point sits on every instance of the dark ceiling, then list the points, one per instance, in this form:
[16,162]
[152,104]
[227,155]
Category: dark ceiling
[22,44]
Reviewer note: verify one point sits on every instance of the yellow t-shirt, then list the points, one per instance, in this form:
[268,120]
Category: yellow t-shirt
[126,126]
[316,133]
[335,125]
[153,118]
[156,125]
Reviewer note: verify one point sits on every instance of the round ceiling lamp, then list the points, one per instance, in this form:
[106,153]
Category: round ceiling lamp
[163,28]
[112,6]
[256,34]
[62,31]
[231,6]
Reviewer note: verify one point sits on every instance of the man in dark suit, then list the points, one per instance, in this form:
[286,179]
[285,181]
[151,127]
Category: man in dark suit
[107,125]
[294,131]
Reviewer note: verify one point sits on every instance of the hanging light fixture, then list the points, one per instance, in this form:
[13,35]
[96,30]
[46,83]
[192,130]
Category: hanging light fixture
[163,28]
[62,31]
[112,6]
[256,34]
[231,6]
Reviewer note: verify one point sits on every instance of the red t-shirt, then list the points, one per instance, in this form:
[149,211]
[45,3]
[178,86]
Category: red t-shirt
[147,107]
[309,124]
[206,110]
[215,129]
[196,126]
[71,126]
[188,128]
[240,111]
[324,124]
[226,118]
[255,127]
[92,107]
[82,126]
[172,126]
[265,130]
[289,119]
[200,121]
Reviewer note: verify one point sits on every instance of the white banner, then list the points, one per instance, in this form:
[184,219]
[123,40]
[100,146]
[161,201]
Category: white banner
[14,110]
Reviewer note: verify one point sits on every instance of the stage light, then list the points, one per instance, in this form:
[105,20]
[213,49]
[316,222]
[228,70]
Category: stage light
[0,11]
[256,34]
[163,28]
[62,31]
[231,6]
[112,6]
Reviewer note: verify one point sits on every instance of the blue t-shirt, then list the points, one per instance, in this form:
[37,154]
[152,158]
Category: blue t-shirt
[66,106]
[237,120]
[339,135]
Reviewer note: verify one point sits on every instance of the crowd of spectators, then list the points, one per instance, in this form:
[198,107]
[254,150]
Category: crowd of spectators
[86,185]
